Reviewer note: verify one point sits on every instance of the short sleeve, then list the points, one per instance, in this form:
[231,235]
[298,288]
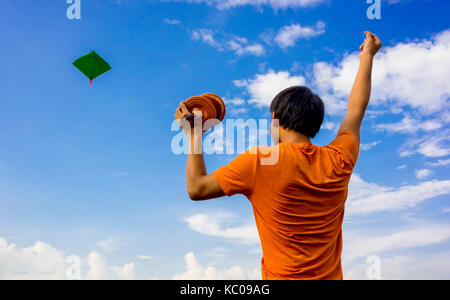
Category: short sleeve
[239,176]
[347,144]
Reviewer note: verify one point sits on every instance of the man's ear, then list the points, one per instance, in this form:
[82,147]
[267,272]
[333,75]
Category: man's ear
[275,123]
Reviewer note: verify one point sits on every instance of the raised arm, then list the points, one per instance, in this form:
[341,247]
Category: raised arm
[360,94]
[200,185]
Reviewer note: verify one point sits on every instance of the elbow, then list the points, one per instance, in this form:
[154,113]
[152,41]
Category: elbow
[194,193]
[194,197]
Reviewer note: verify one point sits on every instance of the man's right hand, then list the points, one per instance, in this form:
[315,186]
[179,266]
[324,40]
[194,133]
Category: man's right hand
[371,45]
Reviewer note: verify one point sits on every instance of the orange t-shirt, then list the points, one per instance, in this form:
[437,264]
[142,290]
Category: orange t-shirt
[298,204]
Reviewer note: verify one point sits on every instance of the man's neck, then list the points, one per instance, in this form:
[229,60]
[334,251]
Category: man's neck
[291,136]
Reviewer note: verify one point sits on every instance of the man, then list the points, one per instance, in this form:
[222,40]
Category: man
[299,202]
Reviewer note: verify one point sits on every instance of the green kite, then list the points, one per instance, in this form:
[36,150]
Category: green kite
[92,65]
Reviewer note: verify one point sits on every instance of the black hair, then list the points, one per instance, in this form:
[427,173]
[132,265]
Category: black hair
[299,109]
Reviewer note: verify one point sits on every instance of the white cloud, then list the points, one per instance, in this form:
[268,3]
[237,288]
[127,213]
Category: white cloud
[206,36]
[219,254]
[289,35]
[330,126]
[235,106]
[410,74]
[112,243]
[439,163]
[239,112]
[99,270]
[146,257]
[286,37]
[424,173]
[399,252]
[362,245]
[431,150]
[239,45]
[432,145]
[42,261]
[213,225]
[322,76]
[275,4]
[172,22]
[264,87]
[366,198]
[367,147]
[409,125]
[418,266]
[195,271]
[234,101]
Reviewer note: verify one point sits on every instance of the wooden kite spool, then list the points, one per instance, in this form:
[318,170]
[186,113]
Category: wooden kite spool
[211,105]
[218,104]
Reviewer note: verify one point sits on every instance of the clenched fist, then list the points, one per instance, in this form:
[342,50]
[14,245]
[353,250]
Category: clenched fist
[186,119]
[371,45]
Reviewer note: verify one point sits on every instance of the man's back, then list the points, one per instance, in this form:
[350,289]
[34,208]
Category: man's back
[298,205]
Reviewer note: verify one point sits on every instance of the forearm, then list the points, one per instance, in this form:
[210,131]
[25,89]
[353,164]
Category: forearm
[360,94]
[200,186]
[196,167]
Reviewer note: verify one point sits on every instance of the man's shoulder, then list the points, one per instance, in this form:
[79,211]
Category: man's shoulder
[261,150]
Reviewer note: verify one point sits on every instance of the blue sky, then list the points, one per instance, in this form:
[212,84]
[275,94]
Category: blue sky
[89,171]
